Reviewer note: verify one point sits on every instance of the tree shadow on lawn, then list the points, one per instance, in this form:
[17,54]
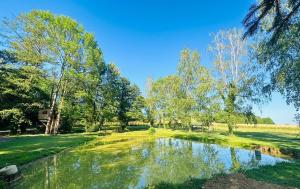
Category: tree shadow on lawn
[278,139]
[286,173]
[191,183]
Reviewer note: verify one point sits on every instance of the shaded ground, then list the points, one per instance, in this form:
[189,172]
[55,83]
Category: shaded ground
[239,181]
[4,139]
[287,174]
[20,150]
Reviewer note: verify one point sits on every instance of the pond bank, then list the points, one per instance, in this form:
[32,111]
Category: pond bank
[287,174]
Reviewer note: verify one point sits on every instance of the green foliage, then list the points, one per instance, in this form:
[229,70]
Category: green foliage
[51,62]
[244,118]
[283,14]
[22,93]
[151,131]
[14,118]
[58,46]
[265,120]
[130,103]
[150,102]
[238,80]
[183,99]
[281,61]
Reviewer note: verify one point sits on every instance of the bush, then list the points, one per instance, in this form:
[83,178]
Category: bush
[151,131]
[138,127]
[14,119]
[92,128]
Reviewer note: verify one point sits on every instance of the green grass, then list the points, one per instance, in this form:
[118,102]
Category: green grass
[23,149]
[287,174]
[20,150]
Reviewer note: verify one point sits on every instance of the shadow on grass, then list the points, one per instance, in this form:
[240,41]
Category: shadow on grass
[200,138]
[288,145]
[191,183]
[287,174]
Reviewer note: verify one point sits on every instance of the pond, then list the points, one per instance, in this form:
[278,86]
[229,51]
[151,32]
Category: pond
[161,160]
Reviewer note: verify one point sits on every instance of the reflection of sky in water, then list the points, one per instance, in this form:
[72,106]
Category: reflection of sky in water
[243,156]
[163,160]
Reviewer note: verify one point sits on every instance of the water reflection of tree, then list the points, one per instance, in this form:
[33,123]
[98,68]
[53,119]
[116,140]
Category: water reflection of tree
[176,161]
[163,160]
[252,160]
[86,170]
[235,164]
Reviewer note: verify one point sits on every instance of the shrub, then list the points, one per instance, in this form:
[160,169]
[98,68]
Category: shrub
[151,131]
[14,118]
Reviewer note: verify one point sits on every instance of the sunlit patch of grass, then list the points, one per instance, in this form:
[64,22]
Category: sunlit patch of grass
[116,142]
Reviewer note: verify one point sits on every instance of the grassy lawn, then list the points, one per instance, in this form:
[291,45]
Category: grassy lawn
[20,150]
[23,149]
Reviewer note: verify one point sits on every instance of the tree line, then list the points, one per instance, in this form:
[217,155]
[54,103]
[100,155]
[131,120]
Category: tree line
[50,61]
[198,96]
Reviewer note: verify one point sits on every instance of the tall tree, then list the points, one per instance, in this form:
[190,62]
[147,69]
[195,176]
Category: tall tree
[22,92]
[130,102]
[237,78]
[149,101]
[168,99]
[195,83]
[55,43]
[110,93]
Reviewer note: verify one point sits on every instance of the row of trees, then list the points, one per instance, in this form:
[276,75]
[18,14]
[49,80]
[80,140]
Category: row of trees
[184,97]
[50,61]
[195,96]
[245,73]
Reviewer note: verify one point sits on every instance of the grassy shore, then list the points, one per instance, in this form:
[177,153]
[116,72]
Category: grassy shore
[286,174]
[23,149]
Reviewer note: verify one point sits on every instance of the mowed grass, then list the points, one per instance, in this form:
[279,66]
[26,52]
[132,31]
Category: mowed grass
[20,150]
[23,149]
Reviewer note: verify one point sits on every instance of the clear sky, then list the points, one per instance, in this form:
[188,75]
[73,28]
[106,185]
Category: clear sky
[144,37]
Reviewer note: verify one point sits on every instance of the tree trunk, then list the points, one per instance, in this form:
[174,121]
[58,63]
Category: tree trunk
[58,116]
[51,122]
[230,129]
[56,123]
[152,123]
[50,116]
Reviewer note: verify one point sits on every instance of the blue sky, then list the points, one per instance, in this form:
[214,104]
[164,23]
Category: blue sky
[144,37]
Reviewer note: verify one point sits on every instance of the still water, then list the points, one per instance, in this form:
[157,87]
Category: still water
[161,160]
